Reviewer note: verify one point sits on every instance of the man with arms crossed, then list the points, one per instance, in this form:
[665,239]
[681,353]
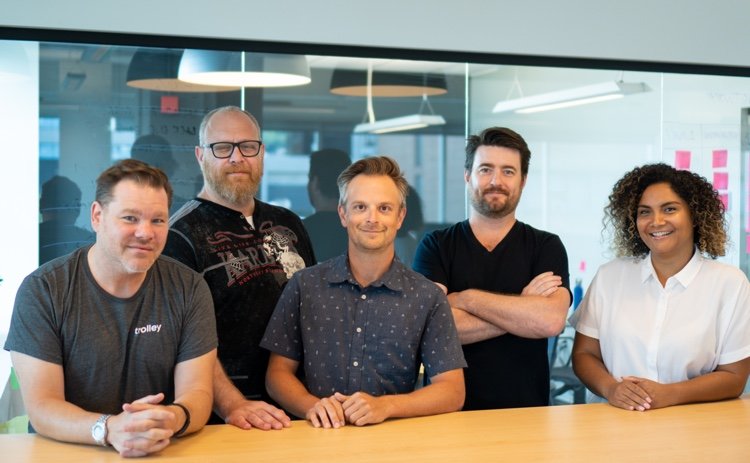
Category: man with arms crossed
[506,281]
[246,250]
[113,344]
[360,324]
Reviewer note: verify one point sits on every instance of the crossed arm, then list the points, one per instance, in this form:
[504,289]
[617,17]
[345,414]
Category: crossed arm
[635,393]
[445,394]
[143,427]
[538,312]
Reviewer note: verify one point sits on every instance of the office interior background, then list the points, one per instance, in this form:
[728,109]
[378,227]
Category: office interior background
[71,104]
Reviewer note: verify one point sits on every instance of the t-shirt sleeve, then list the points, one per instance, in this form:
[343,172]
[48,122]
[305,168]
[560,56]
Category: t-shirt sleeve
[441,348]
[427,260]
[34,325]
[308,255]
[553,257]
[283,335]
[586,319]
[199,330]
[180,248]
[736,343]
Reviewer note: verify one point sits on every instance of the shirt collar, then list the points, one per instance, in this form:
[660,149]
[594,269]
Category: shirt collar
[684,276]
[340,272]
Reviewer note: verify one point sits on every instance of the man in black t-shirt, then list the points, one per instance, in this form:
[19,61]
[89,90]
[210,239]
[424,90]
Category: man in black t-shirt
[506,281]
[246,250]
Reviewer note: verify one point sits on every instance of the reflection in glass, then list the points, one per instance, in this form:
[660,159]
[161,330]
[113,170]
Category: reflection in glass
[60,206]
[328,236]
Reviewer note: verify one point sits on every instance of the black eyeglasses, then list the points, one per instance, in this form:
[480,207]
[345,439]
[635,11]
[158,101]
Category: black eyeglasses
[224,149]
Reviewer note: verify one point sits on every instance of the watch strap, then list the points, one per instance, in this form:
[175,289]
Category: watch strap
[184,427]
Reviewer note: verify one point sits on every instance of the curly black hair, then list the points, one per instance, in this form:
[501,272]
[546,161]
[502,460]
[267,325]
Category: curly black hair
[706,209]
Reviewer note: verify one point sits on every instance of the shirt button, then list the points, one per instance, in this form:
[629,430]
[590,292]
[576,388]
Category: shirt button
[364,296]
[356,364]
[359,330]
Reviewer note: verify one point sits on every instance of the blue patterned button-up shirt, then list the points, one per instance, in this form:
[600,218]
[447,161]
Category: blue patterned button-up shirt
[373,339]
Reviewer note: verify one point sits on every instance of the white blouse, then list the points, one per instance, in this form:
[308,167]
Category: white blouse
[699,320]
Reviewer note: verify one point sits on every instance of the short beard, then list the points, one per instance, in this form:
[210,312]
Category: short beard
[487,210]
[233,193]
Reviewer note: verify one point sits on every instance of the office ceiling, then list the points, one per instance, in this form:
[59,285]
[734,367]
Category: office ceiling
[77,75]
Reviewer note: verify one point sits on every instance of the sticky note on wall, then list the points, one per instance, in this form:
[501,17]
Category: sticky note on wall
[724,197]
[719,158]
[682,160]
[721,180]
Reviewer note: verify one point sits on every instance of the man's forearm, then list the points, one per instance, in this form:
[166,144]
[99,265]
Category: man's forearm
[473,329]
[525,316]
[226,395]
[441,396]
[63,421]
[198,402]
[289,392]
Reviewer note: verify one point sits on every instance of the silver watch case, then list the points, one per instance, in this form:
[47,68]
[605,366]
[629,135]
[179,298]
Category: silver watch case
[99,430]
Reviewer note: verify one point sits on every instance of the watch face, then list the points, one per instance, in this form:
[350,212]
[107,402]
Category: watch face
[98,431]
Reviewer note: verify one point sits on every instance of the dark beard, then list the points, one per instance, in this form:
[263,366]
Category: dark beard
[493,212]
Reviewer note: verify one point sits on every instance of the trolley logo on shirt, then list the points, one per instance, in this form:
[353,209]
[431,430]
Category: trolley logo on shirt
[147,329]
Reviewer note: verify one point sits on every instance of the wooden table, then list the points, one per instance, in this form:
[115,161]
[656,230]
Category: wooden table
[715,432]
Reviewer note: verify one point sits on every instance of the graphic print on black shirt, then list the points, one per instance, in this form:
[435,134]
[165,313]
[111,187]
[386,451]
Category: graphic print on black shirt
[246,269]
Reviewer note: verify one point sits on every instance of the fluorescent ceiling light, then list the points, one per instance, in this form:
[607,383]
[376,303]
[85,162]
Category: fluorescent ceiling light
[570,97]
[243,69]
[73,80]
[397,124]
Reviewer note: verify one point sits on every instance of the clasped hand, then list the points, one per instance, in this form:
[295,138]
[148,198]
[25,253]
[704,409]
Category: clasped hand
[358,409]
[641,394]
[143,427]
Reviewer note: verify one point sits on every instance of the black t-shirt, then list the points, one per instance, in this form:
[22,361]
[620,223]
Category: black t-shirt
[506,371]
[246,269]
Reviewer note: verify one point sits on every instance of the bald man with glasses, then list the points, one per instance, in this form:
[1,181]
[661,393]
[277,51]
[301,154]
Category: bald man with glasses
[246,250]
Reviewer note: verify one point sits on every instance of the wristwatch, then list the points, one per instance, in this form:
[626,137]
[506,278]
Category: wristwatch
[99,430]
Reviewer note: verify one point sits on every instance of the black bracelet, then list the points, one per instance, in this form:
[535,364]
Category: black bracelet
[184,427]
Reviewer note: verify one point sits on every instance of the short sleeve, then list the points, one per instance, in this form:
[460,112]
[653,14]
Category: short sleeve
[427,260]
[441,348]
[586,319]
[179,248]
[199,331]
[736,345]
[283,334]
[34,325]
[552,257]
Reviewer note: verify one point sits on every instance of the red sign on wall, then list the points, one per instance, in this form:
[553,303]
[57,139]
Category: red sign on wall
[170,104]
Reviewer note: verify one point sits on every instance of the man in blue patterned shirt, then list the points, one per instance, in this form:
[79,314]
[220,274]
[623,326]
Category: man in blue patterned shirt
[360,324]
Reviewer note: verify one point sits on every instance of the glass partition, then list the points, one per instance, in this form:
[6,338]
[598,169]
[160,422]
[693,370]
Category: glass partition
[85,105]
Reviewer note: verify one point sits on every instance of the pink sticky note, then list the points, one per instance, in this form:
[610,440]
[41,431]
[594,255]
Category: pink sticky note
[721,180]
[682,160]
[724,197]
[582,266]
[719,158]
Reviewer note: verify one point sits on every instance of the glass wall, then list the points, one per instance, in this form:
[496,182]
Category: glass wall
[689,121]
[77,108]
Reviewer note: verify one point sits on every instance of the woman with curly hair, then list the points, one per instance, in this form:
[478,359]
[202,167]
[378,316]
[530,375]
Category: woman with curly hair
[664,323]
